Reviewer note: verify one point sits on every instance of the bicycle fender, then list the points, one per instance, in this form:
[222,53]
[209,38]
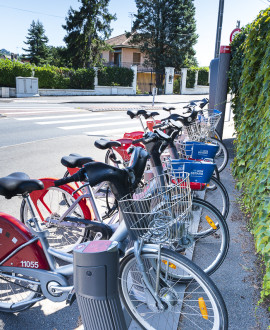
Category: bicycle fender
[38,195]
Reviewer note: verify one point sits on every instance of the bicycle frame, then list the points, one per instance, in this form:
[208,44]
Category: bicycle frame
[51,278]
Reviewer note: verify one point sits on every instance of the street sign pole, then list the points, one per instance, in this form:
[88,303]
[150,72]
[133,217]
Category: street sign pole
[219,27]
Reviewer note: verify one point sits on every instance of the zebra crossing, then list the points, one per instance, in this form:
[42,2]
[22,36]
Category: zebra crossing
[72,120]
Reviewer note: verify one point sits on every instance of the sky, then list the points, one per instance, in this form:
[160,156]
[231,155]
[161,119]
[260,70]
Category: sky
[16,17]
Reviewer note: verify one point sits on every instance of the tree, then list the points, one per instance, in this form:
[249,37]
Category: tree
[87,29]
[165,33]
[38,52]
[58,56]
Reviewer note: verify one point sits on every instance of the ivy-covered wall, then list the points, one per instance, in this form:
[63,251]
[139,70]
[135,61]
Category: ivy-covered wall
[250,83]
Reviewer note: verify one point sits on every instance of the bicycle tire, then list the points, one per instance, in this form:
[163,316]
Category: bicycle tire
[222,155]
[215,190]
[204,244]
[216,135]
[15,291]
[181,300]
[61,238]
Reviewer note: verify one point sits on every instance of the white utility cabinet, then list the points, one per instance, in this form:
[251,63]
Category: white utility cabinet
[26,86]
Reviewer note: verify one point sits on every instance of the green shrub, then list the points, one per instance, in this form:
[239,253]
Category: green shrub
[191,75]
[9,70]
[82,79]
[203,76]
[203,73]
[176,85]
[108,76]
[46,76]
[249,80]
[53,77]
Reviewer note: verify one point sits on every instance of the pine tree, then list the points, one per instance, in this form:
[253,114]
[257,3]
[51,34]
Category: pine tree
[165,32]
[87,29]
[38,52]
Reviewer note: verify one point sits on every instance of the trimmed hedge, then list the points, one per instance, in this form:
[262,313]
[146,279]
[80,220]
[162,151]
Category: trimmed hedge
[82,79]
[191,75]
[249,78]
[52,77]
[202,76]
[9,70]
[115,76]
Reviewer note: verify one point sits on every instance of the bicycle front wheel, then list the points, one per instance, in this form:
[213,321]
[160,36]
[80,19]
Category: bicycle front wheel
[222,155]
[196,304]
[207,239]
[217,194]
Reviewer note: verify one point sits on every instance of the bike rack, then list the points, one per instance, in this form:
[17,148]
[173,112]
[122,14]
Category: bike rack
[96,269]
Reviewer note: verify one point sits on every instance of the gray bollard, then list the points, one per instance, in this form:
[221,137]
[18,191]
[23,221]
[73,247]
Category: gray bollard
[96,270]
[222,84]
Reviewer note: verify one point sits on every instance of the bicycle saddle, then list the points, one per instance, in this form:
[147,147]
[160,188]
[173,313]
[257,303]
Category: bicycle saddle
[106,144]
[133,114]
[168,109]
[154,113]
[75,160]
[18,183]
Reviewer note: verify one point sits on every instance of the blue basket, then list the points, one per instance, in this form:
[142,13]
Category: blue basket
[200,150]
[199,171]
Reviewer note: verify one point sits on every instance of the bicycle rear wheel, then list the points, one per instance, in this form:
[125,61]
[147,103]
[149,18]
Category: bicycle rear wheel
[15,289]
[196,304]
[52,205]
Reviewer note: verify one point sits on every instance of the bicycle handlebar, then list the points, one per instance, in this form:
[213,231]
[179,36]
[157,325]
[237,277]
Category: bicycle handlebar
[138,140]
[78,176]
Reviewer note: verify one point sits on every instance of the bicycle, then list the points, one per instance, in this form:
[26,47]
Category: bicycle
[203,235]
[196,152]
[169,284]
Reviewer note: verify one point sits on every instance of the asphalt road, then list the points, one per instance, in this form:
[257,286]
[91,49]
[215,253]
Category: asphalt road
[34,137]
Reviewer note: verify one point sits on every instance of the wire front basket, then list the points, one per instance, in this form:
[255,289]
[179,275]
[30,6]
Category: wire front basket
[204,126]
[196,150]
[160,210]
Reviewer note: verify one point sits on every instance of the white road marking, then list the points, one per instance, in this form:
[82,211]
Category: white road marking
[42,111]
[62,116]
[90,118]
[93,125]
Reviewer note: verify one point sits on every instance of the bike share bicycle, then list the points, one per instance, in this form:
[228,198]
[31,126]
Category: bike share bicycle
[154,281]
[209,237]
[187,150]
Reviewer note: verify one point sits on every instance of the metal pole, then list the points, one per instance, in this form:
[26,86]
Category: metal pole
[222,84]
[219,27]
[96,269]
[213,82]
